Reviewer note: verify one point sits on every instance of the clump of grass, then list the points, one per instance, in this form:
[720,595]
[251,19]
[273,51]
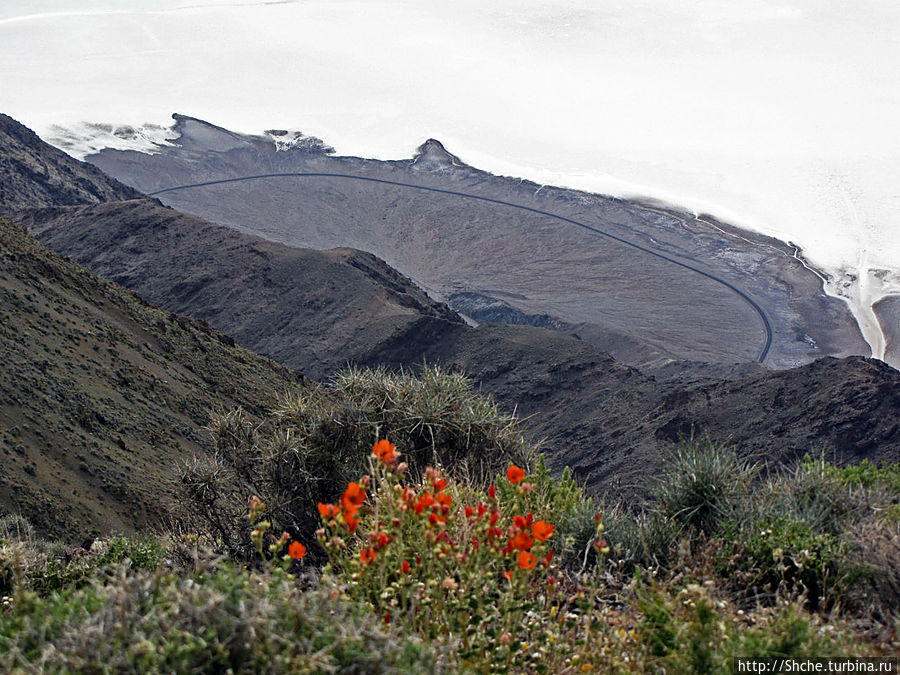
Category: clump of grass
[316,441]
[702,485]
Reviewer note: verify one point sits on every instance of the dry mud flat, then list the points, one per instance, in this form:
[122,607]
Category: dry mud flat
[645,282]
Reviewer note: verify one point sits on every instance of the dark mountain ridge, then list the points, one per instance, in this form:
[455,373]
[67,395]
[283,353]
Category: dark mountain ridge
[30,179]
[315,311]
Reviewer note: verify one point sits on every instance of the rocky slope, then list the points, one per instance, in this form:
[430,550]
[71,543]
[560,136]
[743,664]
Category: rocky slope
[610,422]
[101,395]
[34,174]
[315,311]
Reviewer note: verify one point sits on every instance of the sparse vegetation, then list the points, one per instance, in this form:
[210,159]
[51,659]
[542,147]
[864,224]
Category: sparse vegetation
[388,563]
[318,439]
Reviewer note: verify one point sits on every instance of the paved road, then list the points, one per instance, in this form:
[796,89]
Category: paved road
[764,352]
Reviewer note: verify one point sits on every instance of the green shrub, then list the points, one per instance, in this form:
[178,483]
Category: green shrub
[865,474]
[314,443]
[648,539]
[224,620]
[702,485]
[791,556]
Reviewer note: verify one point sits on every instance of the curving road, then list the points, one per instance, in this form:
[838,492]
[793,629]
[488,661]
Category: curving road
[750,301]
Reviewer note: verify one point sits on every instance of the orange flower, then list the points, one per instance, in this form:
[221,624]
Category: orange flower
[351,520]
[514,474]
[542,531]
[520,522]
[424,501]
[367,555]
[327,510]
[296,550]
[508,574]
[439,484]
[522,541]
[353,497]
[526,560]
[385,451]
[444,500]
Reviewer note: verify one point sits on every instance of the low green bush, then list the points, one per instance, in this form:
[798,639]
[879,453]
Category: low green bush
[223,620]
[702,485]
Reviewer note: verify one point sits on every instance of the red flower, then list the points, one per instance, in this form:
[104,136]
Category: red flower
[367,555]
[404,567]
[328,511]
[353,496]
[520,522]
[508,574]
[296,550]
[424,501]
[542,531]
[439,484]
[522,541]
[435,519]
[469,511]
[514,474]
[492,492]
[385,451]
[444,500]
[526,560]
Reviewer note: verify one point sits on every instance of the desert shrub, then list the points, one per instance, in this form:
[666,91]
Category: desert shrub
[14,527]
[790,556]
[702,485]
[692,628]
[223,620]
[442,559]
[812,493]
[865,474]
[819,530]
[647,539]
[317,441]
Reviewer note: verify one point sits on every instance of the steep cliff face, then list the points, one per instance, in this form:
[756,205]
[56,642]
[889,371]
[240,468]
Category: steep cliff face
[34,174]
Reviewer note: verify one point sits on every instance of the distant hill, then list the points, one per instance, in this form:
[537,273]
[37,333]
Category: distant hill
[315,311]
[610,422]
[645,281]
[34,174]
[102,395]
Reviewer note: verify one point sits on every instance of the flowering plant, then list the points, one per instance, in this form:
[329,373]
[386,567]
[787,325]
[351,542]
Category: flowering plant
[447,560]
